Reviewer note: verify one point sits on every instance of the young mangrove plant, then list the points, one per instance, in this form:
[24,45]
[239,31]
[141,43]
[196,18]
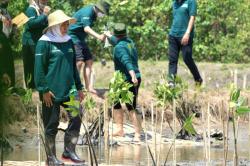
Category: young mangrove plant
[75,108]
[119,90]
[237,107]
[166,93]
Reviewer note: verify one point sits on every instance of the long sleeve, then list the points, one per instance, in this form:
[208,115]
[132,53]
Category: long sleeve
[124,57]
[34,20]
[41,66]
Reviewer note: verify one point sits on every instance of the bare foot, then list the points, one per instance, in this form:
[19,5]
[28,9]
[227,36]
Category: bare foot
[92,91]
[118,134]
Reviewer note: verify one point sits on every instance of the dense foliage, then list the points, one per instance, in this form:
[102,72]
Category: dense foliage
[222,27]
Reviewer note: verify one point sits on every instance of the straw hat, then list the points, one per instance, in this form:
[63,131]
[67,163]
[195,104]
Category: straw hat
[58,17]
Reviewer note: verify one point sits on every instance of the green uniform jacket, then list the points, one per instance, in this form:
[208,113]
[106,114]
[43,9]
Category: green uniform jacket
[34,27]
[125,57]
[181,16]
[84,17]
[55,69]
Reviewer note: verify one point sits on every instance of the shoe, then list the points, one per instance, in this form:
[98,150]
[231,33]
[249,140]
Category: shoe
[52,160]
[198,82]
[171,84]
[70,141]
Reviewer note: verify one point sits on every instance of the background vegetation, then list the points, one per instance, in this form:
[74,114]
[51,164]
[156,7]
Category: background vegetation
[222,27]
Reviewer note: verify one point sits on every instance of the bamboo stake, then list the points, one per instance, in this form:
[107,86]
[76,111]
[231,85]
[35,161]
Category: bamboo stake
[106,130]
[146,136]
[155,140]
[244,86]
[38,134]
[204,136]
[99,124]
[174,137]
[152,116]
[209,141]
[236,77]
[159,154]
[111,147]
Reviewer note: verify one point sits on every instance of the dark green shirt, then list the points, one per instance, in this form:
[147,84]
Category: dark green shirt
[55,69]
[84,17]
[181,16]
[34,27]
[125,57]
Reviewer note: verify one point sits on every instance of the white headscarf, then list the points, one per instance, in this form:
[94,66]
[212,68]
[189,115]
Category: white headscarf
[54,34]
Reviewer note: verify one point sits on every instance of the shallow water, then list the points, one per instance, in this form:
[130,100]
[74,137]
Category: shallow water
[132,154]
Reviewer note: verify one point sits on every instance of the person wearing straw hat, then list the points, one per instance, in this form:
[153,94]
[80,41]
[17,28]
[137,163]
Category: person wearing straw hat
[125,59]
[85,19]
[55,74]
[37,13]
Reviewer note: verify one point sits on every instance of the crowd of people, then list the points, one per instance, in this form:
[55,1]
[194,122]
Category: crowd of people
[55,50]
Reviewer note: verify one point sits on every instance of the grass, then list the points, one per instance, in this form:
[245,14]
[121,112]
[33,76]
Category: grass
[217,74]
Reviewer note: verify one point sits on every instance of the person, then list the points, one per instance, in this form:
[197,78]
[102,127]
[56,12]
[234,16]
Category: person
[7,70]
[86,17]
[37,13]
[125,59]
[181,37]
[55,74]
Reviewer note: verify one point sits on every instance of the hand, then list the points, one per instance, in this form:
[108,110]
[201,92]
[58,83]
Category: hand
[185,39]
[6,79]
[107,33]
[81,95]
[102,37]
[47,98]
[7,22]
[46,10]
[135,81]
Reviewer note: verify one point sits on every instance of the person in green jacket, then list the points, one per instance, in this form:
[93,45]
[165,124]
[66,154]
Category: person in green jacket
[37,13]
[125,59]
[85,18]
[181,38]
[7,70]
[55,75]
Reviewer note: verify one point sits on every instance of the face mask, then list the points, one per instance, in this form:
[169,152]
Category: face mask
[99,14]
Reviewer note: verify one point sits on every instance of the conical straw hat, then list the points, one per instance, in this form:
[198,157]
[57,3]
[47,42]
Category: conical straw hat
[58,17]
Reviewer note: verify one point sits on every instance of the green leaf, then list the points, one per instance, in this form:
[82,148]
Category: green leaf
[242,110]
[188,125]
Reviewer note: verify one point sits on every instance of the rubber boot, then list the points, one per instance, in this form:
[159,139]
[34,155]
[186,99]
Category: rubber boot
[70,141]
[51,150]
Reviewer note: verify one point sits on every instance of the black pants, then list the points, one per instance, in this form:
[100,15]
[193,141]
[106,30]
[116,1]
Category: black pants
[175,47]
[28,52]
[50,116]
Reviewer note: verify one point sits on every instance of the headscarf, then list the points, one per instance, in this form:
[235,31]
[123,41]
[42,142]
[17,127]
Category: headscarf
[54,34]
